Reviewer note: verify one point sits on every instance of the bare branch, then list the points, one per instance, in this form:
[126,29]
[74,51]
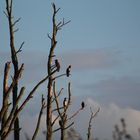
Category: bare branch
[15,30]
[55,120]
[61,24]
[4,109]
[22,105]
[90,121]
[30,95]
[6,74]
[64,128]
[69,125]
[9,89]
[57,10]
[49,36]
[16,22]
[75,114]
[69,95]
[20,48]
[5,14]
[59,76]
[54,7]
[57,109]
[39,118]
[56,100]
[58,94]
[11,119]
[11,6]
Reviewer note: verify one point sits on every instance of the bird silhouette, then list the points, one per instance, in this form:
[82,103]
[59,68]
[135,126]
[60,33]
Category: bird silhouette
[68,71]
[82,105]
[57,64]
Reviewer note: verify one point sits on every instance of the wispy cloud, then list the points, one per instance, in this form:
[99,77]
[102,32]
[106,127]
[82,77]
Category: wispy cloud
[91,59]
[116,85]
[36,62]
[122,90]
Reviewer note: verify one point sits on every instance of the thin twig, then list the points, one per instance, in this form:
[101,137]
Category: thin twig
[56,100]
[75,114]
[59,76]
[20,48]
[58,94]
[16,21]
[64,128]
[90,121]
[39,118]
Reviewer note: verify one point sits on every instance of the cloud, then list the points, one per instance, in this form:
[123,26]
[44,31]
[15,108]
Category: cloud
[108,116]
[121,90]
[35,62]
[119,85]
[89,59]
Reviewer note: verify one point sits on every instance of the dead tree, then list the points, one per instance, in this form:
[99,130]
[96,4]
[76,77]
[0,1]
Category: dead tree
[4,115]
[62,111]
[121,133]
[5,89]
[62,115]
[43,106]
[14,58]
[92,116]
[56,28]
[51,94]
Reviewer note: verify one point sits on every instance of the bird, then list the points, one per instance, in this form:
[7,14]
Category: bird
[68,71]
[82,105]
[65,102]
[57,64]
[60,122]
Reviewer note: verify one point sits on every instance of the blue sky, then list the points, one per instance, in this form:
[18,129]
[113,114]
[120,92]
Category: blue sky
[102,43]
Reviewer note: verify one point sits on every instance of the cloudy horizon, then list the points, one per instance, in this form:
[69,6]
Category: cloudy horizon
[102,43]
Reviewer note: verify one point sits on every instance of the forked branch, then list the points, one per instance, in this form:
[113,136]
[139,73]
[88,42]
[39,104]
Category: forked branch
[92,116]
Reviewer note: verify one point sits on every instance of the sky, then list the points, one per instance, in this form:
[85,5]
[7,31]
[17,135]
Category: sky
[102,43]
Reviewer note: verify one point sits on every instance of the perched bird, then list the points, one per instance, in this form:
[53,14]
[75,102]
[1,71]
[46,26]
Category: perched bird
[57,64]
[68,71]
[65,102]
[60,122]
[82,105]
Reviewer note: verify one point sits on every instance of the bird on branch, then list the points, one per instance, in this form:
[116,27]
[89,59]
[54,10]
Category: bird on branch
[68,71]
[57,64]
[65,102]
[82,105]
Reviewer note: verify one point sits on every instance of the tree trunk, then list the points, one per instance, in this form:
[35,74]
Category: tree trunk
[14,61]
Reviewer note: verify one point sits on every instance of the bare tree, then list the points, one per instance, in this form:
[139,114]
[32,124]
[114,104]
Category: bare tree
[56,28]
[8,119]
[43,106]
[14,58]
[5,89]
[90,122]
[121,133]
